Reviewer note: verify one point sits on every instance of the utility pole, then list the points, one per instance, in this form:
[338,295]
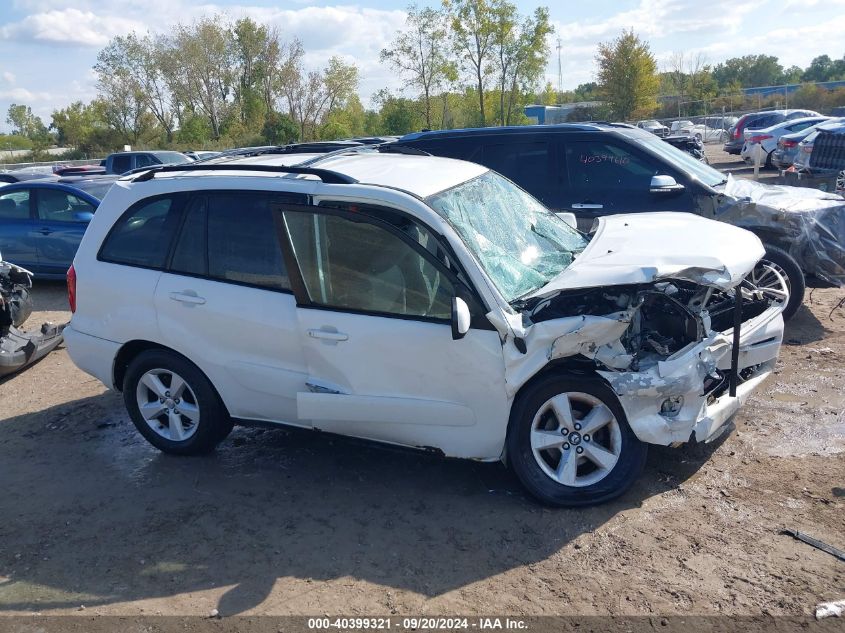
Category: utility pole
[559,72]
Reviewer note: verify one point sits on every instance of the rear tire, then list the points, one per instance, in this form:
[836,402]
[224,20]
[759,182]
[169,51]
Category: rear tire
[569,442]
[173,405]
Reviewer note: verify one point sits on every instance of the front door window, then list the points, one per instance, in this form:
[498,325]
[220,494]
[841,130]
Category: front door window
[356,265]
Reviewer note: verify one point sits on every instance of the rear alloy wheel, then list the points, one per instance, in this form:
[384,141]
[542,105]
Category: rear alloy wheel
[168,404]
[779,277]
[173,404]
[569,442]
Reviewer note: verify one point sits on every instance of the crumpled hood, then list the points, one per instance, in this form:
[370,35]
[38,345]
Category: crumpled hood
[646,247]
[808,223]
[783,197]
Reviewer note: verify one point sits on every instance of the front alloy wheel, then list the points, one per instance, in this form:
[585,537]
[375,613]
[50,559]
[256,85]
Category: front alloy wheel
[569,442]
[575,439]
[778,277]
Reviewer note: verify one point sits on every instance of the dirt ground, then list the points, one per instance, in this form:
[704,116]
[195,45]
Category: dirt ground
[286,522]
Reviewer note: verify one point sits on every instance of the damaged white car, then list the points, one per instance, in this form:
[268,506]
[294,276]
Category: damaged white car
[419,301]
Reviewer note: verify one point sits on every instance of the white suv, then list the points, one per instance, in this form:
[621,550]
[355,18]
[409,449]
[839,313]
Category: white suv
[420,301]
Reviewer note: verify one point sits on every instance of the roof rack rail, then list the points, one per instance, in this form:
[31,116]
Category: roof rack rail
[327,176]
[397,148]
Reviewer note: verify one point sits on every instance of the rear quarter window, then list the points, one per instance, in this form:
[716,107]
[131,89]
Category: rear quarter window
[142,235]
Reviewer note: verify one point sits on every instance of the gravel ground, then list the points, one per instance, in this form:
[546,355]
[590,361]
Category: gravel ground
[286,522]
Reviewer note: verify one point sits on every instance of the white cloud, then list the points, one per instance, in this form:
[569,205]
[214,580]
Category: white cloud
[24,95]
[68,27]
[8,77]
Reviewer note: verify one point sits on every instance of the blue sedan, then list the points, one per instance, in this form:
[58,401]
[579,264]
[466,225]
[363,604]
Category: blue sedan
[42,223]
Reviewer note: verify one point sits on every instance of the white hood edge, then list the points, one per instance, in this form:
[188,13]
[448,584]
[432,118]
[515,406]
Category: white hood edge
[648,247]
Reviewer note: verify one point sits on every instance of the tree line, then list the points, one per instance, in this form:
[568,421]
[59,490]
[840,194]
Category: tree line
[631,85]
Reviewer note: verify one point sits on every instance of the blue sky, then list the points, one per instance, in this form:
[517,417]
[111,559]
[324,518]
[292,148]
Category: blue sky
[47,47]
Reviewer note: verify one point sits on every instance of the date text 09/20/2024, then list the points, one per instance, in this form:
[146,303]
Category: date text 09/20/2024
[416,623]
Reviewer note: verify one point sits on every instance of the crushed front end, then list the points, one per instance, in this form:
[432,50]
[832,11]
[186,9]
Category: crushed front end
[666,348]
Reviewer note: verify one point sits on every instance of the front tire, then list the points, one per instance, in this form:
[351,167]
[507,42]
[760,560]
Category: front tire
[788,268]
[173,405]
[569,442]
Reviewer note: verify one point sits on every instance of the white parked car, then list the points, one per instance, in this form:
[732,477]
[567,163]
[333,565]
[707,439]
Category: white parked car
[419,301]
[700,131]
[760,144]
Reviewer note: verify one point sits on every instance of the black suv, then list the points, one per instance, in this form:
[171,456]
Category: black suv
[595,169]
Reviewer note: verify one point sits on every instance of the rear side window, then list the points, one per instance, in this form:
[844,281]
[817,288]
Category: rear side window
[144,160]
[468,148]
[528,164]
[121,164]
[232,236]
[142,235]
[14,205]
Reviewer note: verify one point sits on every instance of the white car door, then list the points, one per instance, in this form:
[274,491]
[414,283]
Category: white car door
[225,303]
[374,315]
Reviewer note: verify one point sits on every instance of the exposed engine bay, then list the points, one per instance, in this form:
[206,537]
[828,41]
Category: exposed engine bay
[665,317]
[19,348]
[668,348]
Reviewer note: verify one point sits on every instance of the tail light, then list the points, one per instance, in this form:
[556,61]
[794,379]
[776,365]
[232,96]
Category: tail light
[759,138]
[787,143]
[71,288]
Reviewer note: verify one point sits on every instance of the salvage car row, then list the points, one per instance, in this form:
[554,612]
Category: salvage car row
[252,287]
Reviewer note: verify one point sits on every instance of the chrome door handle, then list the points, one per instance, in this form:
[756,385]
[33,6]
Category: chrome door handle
[328,336]
[187,297]
[587,205]
[44,230]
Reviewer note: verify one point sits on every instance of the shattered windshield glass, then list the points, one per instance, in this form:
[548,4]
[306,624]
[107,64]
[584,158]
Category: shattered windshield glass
[519,243]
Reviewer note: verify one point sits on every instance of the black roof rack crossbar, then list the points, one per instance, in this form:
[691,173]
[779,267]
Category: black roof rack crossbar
[327,176]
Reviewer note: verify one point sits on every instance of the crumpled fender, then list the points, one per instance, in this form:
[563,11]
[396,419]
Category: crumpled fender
[595,337]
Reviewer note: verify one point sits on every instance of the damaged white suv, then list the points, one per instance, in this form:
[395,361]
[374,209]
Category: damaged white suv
[420,301]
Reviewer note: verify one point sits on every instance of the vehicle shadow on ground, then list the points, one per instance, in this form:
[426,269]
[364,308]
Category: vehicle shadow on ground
[95,516]
[804,327]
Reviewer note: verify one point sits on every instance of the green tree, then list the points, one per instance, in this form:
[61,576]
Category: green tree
[24,122]
[280,129]
[473,29]
[419,53]
[823,68]
[749,71]
[311,95]
[135,65]
[521,49]
[203,66]
[195,131]
[398,115]
[75,124]
[792,75]
[627,75]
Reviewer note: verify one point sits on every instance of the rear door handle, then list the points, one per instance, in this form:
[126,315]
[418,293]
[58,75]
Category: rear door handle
[188,296]
[45,230]
[587,205]
[328,336]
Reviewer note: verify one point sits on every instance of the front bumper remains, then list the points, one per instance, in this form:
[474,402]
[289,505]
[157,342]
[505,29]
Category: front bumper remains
[690,395]
[19,349]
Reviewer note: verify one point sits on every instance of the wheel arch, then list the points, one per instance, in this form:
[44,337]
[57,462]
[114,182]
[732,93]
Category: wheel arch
[127,353]
[570,367]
